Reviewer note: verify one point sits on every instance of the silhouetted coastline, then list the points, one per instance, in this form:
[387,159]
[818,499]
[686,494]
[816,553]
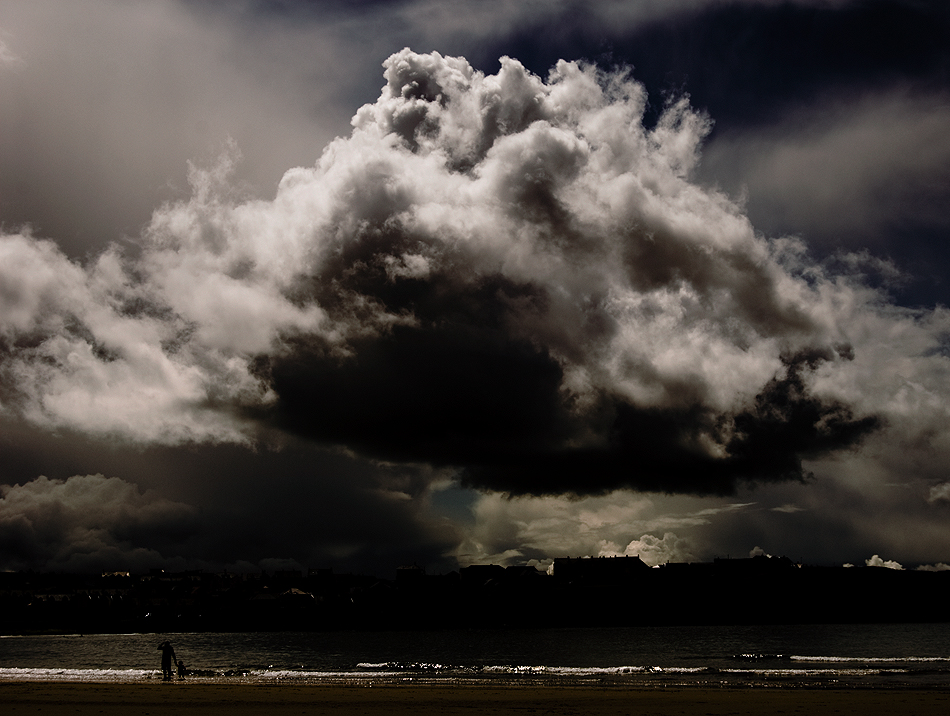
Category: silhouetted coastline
[620,591]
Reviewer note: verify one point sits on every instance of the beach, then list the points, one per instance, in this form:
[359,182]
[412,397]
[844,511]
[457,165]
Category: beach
[186,699]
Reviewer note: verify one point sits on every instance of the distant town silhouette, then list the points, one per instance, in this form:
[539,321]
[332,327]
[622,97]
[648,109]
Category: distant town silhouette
[590,591]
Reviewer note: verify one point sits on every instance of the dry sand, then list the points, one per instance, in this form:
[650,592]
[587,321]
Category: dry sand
[186,699]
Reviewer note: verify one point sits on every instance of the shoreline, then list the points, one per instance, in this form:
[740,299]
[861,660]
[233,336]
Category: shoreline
[193,699]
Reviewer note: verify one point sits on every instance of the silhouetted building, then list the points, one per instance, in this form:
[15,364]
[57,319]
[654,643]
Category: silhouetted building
[760,564]
[410,574]
[478,575]
[599,570]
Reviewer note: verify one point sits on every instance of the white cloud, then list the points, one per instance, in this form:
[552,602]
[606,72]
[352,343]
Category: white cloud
[510,530]
[652,549]
[940,493]
[876,561]
[78,357]
[8,58]
[548,526]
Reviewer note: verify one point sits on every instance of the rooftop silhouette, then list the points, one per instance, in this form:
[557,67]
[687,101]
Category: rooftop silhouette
[602,591]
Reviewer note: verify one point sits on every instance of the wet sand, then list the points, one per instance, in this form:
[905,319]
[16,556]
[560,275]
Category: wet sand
[187,699]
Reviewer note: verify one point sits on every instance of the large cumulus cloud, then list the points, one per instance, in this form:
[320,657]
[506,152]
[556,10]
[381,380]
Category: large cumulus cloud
[510,276]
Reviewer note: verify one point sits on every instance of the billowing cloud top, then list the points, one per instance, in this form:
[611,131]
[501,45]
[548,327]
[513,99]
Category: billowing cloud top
[508,275]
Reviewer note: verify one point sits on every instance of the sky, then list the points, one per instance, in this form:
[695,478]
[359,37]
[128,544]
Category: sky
[289,284]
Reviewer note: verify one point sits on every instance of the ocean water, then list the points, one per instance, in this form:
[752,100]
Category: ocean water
[842,656]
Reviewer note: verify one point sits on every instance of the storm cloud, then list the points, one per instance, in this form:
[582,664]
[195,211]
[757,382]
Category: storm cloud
[706,264]
[506,275]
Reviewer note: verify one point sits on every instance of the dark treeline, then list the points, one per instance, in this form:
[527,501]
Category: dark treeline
[620,591]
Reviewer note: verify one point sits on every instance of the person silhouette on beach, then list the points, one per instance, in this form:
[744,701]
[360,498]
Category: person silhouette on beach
[181,669]
[168,658]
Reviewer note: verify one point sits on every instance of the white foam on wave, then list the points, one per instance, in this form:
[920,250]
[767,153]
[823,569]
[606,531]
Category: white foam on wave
[295,675]
[396,669]
[837,673]
[594,671]
[872,659]
[96,675]
[367,672]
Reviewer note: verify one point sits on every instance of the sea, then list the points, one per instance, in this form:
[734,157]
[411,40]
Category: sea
[801,656]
